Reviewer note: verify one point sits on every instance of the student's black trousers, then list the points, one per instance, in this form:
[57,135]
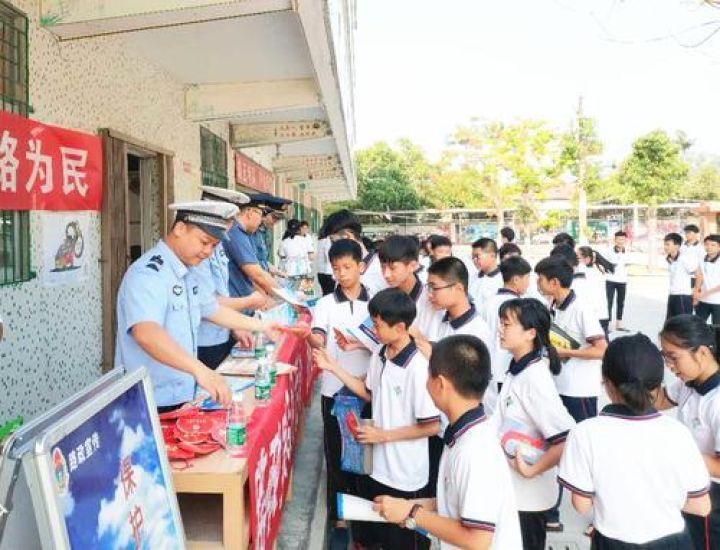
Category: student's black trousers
[679,304]
[532,529]
[678,541]
[706,311]
[610,289]
[705,532]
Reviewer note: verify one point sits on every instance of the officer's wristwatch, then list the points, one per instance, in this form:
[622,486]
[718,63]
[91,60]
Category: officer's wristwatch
[410,522]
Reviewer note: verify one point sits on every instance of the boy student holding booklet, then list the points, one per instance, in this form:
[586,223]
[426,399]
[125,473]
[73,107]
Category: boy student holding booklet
[639,470]
[346,306]
[403,414]
[475,505]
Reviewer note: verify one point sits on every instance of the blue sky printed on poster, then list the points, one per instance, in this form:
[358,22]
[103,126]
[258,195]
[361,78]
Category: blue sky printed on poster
[102,494]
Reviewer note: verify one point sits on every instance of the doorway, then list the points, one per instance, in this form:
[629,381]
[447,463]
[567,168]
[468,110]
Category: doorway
[137,188]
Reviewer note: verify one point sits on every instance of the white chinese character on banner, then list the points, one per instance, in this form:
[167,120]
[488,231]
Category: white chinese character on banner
[72,459]
[73,160]
[8,163]
[80,451]
[95,441]
[88,448]
[42,167]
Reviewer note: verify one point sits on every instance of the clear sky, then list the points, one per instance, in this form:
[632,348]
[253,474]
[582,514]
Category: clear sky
[424,66]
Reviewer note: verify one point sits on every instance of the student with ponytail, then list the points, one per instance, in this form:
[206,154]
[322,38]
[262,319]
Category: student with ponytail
[593,266]
[529,408]
[638,469]
[690,348]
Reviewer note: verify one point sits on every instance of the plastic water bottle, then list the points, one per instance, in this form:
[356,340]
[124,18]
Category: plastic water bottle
[259,345]
[262,382]
[236,427]
[272,366]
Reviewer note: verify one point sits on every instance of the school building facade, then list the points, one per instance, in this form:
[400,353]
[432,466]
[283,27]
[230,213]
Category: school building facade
[246,94]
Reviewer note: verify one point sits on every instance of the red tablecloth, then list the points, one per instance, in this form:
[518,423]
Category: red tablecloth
[272,436]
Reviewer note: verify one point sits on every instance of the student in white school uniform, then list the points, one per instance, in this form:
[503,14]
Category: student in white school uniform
[693,246]
[403,414]
[690,348]
[636,468]
[488,279]
[616,281]
[707,299]
[346,306]
[595,267]
[580,343]
[475,505]
[515,272]
[510,250]
[293,251]
[529,403]
[681,268]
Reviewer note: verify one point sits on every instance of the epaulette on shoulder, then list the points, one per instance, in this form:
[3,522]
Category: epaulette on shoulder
[155,263]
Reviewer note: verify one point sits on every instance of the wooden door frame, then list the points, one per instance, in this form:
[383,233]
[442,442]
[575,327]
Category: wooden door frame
[114,258]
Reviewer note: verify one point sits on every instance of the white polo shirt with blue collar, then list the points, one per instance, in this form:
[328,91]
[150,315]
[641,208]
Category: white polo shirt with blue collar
[710,268]
[470,323]
[500,358]
[698,407]
[485,285]
[638,469]
[400,399]
[159,288]
[372,277]
[529,402]
[474,484]
[577,317]
[214,277]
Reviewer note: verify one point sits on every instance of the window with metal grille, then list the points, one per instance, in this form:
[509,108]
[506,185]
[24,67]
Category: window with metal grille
[14,98]
[213,159]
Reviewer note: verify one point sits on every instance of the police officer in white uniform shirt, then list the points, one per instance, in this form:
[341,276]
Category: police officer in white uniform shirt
[160,306]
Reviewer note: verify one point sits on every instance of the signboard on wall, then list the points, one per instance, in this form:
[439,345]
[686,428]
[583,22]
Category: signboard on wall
[249,173]
[45,167]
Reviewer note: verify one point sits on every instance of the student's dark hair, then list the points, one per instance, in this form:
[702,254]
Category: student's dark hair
[508,233]
[345,248]
[714,237]
[509,249]
[439,240]
[635,367]
[674,238]
[322,232]
[514,266]
[399,248]
[564,238]
[486,244]
[393,306]
[368,243]
[556,267]
[566,252]
[532,314]
[343,220]
[691,227]
[596,259]
[620,234]
[689,332]
[465,361]
[304,223]
[451,270]
[292,230]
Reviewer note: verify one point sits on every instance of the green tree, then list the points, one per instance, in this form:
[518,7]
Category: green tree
[580,157]
[703,183]
[651,175]
[387,177]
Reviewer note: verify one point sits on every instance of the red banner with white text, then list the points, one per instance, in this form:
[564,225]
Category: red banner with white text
[274,439]
[48,168]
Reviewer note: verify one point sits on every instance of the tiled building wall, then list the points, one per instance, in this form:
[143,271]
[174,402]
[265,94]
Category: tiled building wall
[53,335]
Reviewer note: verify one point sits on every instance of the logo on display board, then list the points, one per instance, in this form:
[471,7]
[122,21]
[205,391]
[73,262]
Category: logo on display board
[60,472]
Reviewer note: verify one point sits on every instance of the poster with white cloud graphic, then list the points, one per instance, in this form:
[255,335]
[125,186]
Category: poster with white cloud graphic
[110,484]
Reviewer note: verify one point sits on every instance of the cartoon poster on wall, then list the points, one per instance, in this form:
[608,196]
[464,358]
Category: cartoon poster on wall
[109,481]
[65,248]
